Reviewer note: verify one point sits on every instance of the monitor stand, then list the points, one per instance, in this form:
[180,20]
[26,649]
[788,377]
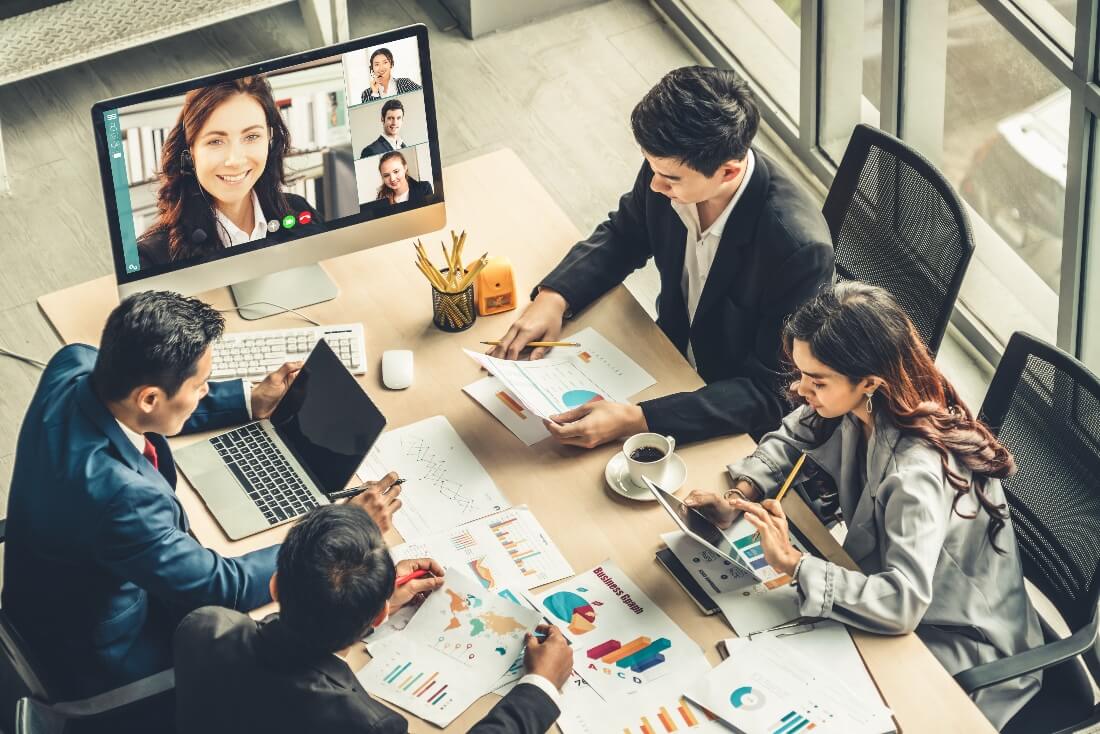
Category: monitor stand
[275,293]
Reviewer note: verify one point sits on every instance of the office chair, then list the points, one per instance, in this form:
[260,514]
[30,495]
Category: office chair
[27,703]
[1044,406]
[897,223]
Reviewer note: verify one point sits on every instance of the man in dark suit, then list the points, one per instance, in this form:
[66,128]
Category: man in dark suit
[393,116]
[99,566]
[287,673]
[738,245]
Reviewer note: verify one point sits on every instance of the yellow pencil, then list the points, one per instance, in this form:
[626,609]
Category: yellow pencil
[790,478]
[496,343]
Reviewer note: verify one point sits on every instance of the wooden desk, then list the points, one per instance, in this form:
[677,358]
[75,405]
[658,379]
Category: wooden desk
[564,486]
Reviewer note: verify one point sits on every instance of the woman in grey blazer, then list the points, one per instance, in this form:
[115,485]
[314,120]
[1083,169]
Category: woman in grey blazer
[919,487]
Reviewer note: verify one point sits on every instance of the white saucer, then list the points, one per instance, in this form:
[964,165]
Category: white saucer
[618,478]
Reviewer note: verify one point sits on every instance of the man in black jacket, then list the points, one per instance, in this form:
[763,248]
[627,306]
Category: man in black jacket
[335,580]
[738,245]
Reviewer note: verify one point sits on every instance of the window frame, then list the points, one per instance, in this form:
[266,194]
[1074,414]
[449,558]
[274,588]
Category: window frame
[911,107]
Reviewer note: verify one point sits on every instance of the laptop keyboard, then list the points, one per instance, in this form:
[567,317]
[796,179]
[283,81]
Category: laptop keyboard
[259,466]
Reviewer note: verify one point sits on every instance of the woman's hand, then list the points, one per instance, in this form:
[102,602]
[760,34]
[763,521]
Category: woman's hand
[771,524]
[713,506]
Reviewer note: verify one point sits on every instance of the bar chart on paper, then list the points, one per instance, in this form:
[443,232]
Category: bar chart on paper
[671,716]
[749,547]
[424,682]
[528,547]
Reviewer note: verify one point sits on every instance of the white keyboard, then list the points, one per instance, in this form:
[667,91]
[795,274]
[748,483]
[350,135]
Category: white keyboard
[254,354]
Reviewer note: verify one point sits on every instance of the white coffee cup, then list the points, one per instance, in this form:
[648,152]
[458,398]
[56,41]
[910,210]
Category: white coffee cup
[654,471]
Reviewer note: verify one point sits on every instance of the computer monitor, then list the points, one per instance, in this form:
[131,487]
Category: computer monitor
[249,177]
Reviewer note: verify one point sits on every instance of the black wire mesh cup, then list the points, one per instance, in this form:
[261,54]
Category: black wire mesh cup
[453,311]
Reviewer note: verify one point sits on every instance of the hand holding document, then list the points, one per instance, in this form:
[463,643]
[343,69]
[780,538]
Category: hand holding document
[595,369]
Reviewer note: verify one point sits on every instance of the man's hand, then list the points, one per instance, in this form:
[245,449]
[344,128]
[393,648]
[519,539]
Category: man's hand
[419,588]
[380,500]
[771,525]
[596,422]
[552,658]
[540,321]
[267,394]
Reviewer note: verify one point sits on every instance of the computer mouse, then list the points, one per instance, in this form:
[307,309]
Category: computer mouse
[397,368]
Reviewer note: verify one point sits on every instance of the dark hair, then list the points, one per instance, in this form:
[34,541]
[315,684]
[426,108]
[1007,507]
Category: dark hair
[335,576]
[153,338]
[699,115]
[181,204]
[860,331]
[393,104]
[384,191]
[384,52]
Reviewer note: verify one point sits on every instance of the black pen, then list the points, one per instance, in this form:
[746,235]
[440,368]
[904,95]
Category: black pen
[352,491]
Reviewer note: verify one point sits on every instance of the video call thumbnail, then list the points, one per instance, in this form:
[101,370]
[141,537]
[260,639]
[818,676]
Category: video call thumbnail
[265,159]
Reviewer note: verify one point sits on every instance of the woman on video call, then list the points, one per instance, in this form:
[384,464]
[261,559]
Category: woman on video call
[382,81]
[221,174]
[397,185]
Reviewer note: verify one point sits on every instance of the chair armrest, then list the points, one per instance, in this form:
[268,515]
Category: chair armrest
[1028,661]
[139,690]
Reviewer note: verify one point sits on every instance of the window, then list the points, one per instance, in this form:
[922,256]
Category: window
[1005,137]
[765,35]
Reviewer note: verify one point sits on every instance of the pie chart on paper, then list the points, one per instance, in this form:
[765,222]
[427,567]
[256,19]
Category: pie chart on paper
[747,699]
[575,398]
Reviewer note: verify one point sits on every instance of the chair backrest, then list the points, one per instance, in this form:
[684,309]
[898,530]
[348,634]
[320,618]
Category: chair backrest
[1044,406]
[18,677]
[35,717]
[897,223]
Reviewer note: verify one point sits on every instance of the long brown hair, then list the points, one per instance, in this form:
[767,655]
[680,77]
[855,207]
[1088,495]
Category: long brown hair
[183,207]
[860,331]
[384,191]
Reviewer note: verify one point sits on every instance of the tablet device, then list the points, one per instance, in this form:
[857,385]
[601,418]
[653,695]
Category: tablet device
[703,530]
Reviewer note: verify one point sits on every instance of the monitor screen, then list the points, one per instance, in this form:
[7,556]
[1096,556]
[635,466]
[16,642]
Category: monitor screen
[274,153]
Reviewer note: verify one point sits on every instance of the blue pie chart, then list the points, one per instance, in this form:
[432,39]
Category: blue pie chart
[745,698]
[575,398]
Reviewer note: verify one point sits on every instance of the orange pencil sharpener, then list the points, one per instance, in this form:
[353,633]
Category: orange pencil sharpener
[496,287]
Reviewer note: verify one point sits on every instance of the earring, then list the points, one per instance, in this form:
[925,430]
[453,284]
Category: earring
[870,407]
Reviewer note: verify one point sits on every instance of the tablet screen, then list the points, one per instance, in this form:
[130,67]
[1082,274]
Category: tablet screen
[701,528]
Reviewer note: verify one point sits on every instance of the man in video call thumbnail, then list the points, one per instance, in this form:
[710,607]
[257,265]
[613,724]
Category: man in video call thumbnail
[393,115]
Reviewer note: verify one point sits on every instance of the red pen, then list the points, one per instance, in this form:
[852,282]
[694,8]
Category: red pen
[402,580]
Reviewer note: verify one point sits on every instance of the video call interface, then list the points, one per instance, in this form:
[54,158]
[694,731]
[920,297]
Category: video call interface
[348,134]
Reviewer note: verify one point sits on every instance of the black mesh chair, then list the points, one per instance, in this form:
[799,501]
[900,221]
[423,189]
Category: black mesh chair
[897,223]
[1044,406]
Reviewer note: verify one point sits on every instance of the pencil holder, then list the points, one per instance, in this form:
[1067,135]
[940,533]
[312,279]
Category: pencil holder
[453,311]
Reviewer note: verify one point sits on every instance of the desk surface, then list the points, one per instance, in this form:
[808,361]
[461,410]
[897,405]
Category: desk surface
[382,288]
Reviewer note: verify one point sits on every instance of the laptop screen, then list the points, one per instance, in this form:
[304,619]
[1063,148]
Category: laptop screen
[327,420]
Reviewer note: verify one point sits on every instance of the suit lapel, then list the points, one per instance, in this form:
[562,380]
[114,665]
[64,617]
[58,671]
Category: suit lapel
[672,312]
[740,231]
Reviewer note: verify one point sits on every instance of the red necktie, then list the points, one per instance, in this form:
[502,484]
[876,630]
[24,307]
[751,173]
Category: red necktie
[150,453]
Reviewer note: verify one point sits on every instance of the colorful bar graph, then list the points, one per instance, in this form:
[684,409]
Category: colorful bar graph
[791,723]
[439,695]
[396,672]
[689,718]
[646,728]
[648,663]
[628,649]
[603,649]
[426,685]
[669,724]
[649,651]
[463,540]
[412,682]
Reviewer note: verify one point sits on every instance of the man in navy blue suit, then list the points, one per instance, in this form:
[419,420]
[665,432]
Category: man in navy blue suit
[99,566]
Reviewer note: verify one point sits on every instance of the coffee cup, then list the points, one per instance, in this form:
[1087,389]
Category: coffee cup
[648,456]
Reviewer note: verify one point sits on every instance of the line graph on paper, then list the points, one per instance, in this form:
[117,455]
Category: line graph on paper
[445,484]
[432,470]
